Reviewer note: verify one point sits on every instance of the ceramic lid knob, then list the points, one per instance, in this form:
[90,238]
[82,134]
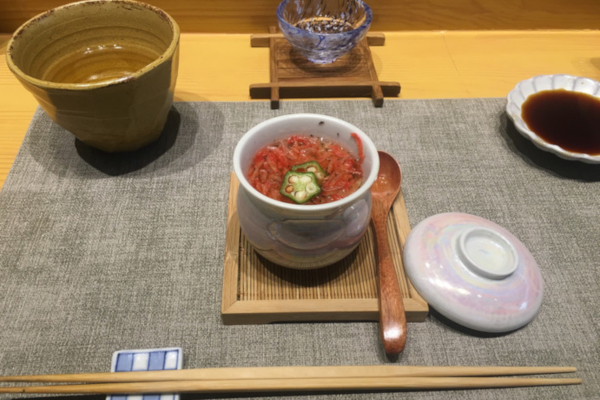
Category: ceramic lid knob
[487,253]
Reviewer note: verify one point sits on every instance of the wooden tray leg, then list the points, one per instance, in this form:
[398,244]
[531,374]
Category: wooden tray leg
[377,94]
[273,70]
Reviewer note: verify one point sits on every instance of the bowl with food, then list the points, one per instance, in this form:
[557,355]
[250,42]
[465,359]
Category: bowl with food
[304,200]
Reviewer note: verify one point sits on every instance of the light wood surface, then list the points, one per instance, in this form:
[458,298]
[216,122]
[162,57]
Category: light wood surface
[291,372]
[256,292]
[243,16]
[427,65]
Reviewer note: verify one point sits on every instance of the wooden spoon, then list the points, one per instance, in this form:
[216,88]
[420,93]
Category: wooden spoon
[392,319]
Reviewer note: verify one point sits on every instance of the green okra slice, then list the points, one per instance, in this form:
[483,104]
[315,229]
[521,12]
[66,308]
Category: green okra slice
[300,186]
[314,167]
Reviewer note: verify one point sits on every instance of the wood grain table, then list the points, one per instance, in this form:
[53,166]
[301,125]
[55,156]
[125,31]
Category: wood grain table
[433,64]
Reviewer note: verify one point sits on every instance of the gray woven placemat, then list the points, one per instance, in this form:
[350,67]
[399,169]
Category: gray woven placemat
[100,253]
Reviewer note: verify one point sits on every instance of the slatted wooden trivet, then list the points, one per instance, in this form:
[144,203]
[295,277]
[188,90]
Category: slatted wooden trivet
[293,76]
[256,291]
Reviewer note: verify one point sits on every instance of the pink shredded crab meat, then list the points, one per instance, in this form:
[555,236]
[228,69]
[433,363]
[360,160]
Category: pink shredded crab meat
[272,162]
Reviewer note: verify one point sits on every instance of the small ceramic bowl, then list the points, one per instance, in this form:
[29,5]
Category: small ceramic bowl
[304,236]
[526,88]
[103,70]
[322,31]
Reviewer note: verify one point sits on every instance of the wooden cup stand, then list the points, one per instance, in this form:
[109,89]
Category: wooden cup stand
[293,76]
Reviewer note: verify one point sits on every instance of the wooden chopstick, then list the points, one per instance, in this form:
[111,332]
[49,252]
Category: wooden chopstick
[299,372]
[287,385]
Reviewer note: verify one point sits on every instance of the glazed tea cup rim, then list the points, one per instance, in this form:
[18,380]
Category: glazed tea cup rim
[369,150]
[166,55]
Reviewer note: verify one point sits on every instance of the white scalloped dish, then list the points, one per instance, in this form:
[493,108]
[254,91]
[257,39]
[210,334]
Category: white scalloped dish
[526,88]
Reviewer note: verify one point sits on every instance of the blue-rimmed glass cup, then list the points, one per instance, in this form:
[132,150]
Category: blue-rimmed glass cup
[324,30]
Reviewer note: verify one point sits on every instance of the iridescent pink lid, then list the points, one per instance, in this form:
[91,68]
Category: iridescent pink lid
[474,272]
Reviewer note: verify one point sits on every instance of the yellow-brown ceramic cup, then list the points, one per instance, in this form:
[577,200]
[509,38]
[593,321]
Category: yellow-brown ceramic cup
[105,70]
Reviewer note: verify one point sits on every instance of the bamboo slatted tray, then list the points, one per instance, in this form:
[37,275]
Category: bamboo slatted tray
[293,76]
[256,291]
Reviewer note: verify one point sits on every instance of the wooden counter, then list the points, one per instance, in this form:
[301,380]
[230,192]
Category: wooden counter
[219,67]
[243,16]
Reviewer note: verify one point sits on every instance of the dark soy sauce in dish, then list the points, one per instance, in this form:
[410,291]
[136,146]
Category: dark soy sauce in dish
[567,119]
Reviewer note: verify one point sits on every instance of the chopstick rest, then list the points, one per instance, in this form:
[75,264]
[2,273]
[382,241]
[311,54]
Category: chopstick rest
[139,361]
